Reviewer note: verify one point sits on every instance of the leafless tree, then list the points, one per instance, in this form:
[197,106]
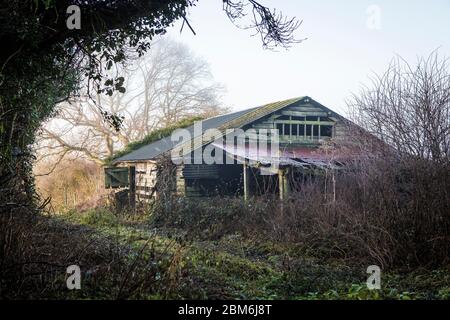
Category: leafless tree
[167,86]
[408,107]
[273,27]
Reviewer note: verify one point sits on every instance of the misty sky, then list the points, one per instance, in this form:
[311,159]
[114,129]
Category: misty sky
[346,43]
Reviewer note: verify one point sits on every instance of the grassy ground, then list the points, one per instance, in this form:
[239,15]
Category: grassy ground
[161,263]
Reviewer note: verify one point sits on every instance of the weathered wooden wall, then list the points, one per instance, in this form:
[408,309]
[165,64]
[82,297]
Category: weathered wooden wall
[298,115]
[145,178]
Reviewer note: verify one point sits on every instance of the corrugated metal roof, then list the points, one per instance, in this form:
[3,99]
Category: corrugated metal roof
[298,156]
[228,121]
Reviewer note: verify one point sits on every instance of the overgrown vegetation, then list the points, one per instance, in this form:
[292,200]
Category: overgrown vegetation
[112,268]
[74,183]
[391,210]
[122,256]
[44,62]
[308,248]
[391,215]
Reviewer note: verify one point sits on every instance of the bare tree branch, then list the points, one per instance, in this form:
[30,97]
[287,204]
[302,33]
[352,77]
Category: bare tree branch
[408,107]
[168,86]
[272,26]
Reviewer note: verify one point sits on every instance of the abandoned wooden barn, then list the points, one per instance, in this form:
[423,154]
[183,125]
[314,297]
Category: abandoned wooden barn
[304,128]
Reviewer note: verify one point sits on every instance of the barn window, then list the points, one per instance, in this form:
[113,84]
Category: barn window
[295,129]
[316,131]
[301,130]
[326,131]
[287,129]
[280,129]
[308,130]
[308,127]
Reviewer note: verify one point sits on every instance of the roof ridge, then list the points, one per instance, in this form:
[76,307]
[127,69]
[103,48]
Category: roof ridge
[252,109]
[228,113]
[247,116]
[268,108]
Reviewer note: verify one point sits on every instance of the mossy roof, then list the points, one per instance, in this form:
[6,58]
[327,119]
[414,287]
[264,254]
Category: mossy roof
[228,121]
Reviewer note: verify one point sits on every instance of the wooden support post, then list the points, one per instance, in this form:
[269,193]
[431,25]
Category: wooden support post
[132,186]
[283,183]
[246,181]
[286,188]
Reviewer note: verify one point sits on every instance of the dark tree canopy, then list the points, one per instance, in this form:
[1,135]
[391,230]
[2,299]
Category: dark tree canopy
[109,28]
[44,62]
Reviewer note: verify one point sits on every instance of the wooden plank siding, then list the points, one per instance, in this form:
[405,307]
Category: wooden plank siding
[297,114]
[145,178]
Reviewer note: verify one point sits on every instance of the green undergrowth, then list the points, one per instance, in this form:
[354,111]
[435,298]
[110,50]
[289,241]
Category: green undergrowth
[234,267]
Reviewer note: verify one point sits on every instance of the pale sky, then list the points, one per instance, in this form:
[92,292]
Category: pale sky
[346,43]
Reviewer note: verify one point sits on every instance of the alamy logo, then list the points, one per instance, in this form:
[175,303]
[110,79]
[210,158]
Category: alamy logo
[373,21]
[374,279]
[74,280]
[212,146]
[74,20]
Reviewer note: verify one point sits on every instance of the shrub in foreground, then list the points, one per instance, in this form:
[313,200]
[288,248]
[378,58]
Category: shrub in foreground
[393,214]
